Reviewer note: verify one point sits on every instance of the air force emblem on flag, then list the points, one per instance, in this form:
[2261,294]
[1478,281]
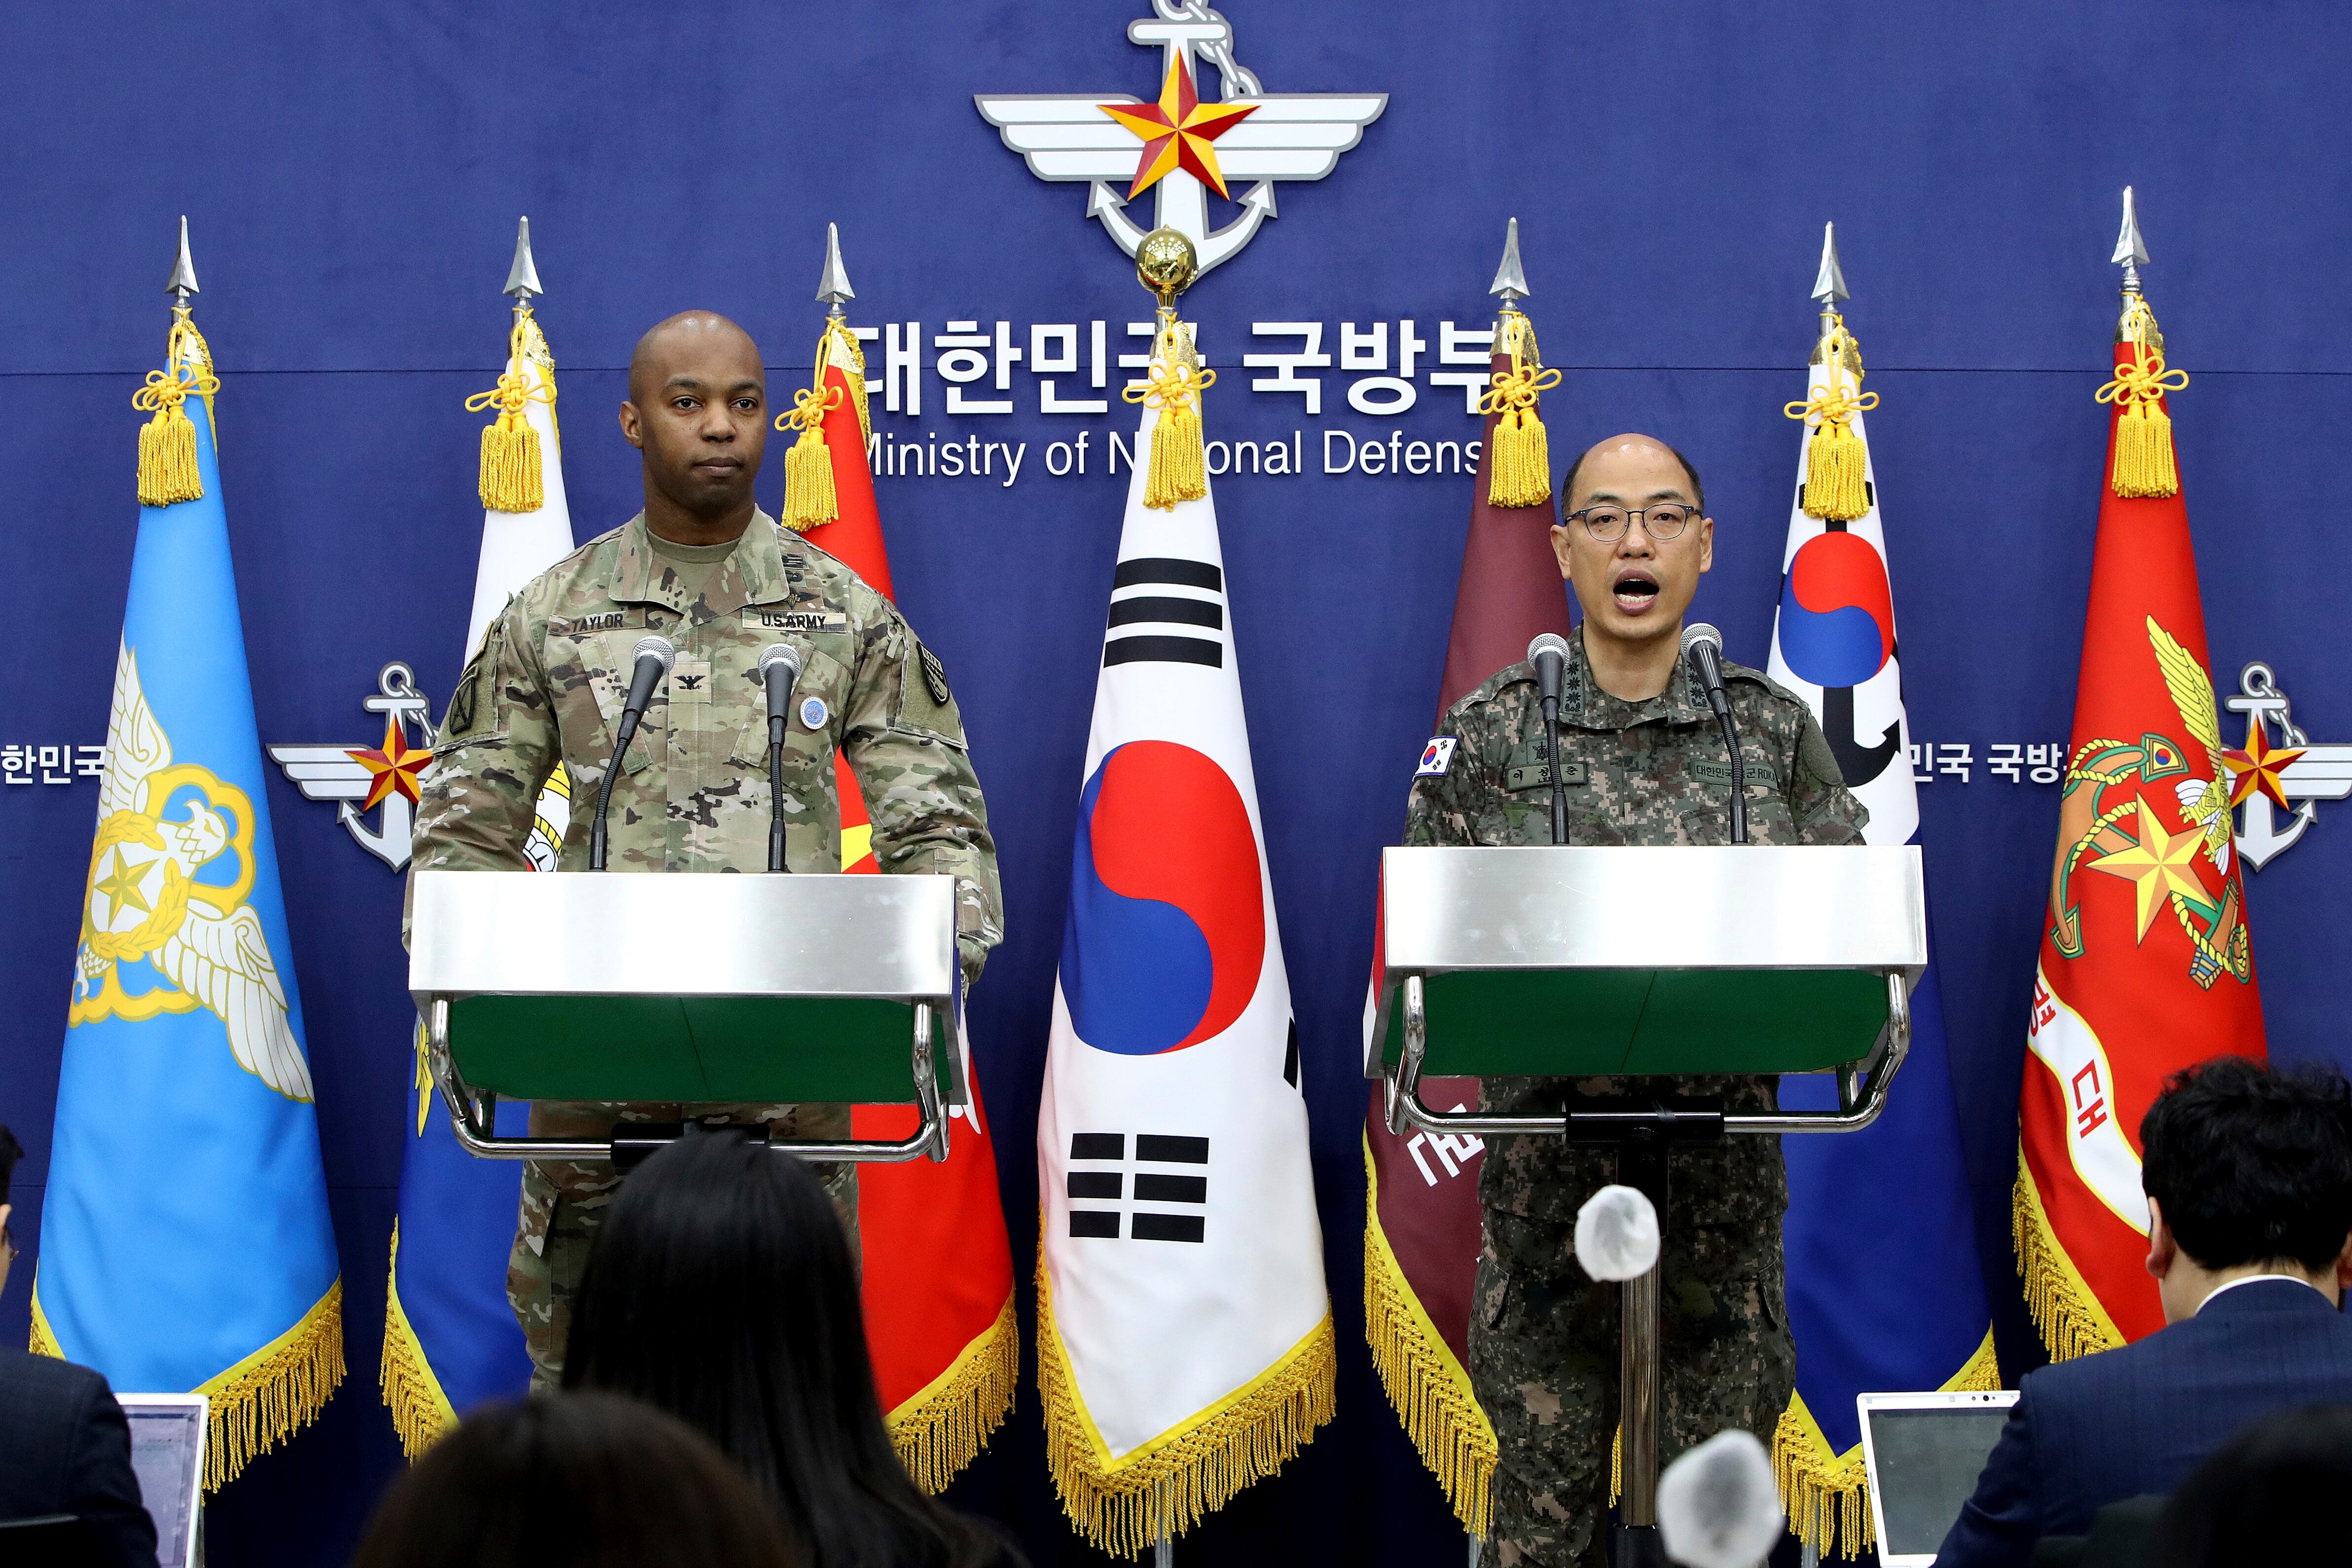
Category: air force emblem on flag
[1436,758]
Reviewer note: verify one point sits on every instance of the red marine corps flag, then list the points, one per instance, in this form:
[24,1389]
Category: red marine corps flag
[937,1272]
[2146,964]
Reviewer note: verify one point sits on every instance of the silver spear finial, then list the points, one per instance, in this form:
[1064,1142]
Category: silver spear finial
[1829,284]
[2131,251]
[183,270]
[1510,278]
[833,284]
[522,278]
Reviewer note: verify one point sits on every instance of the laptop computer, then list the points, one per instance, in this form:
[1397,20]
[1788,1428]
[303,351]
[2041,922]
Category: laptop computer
[167,1454]
[1922,1454]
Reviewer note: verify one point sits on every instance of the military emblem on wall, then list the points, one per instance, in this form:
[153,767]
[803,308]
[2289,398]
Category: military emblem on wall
[2278,786]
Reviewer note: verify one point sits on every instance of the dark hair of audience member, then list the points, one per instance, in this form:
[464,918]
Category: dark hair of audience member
[2252,1164]
[585,1480]
[722,1290]
[11,1151]
[2274,1495]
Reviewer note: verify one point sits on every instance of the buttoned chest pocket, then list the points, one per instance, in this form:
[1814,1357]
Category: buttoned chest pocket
[819,699]
[1523,812]
[589,662]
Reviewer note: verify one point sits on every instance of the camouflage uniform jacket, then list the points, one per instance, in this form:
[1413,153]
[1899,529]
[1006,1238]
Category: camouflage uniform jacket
[1650,772]
[549,682]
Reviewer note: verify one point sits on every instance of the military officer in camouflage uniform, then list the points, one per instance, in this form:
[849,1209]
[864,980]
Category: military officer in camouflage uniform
[705,568]
[1643,763]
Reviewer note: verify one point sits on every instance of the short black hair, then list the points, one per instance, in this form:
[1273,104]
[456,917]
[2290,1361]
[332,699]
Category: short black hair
[1568,485]
[11,1151]
[2252,1163]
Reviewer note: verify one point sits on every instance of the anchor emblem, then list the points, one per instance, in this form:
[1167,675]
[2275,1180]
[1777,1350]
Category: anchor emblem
[1181,148]
[2290,778]
[360,779]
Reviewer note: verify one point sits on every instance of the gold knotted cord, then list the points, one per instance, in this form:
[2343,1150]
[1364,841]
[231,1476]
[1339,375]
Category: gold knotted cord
[2144,465]
[1179,464]
[1518,470]
[167,443]
[513,479]
[811,500]
[1836,462]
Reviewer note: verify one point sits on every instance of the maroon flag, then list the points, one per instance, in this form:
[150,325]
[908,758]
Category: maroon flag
[1420,1201]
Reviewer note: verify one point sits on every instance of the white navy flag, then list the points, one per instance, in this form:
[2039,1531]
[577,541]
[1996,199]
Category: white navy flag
[1185,1344]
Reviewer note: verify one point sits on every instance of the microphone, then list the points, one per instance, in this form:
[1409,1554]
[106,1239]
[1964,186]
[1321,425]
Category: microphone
[1703,651]
[1549,655]
[779,670]
[653,656]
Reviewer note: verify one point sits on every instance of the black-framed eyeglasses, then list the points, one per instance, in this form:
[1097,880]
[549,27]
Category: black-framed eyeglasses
[1608,523]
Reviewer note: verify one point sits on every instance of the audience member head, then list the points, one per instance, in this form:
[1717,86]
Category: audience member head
[2274,1495]
[11,1151]
[583,1480]
[722,1290]
[2248,1170]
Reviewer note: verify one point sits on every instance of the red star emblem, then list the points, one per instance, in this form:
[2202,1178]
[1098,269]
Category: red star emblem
[396,766]
[2259,766]
[1177,132]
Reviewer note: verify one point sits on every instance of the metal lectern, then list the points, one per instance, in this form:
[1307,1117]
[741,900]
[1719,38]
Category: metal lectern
[1591,962]
[775,989]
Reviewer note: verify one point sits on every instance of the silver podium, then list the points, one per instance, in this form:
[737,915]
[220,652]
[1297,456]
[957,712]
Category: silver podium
[1644,962]
[542,986]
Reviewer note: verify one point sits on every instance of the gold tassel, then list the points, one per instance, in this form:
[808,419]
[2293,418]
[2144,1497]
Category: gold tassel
[810,500]
[167,443]
[1836,481]
[1518,458]
[2144,466]
[1179,466]
[513,479]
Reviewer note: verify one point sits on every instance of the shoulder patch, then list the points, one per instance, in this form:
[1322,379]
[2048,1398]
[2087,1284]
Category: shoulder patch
[935,675]
[1437,757]
[1814,756]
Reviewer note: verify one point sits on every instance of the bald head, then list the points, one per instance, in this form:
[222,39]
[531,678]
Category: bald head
[1629,443]
[690,334]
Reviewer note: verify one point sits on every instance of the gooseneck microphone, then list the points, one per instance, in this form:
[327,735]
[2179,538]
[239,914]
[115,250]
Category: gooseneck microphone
[1703,651]
[1549,655]
[653,656]
[780,670]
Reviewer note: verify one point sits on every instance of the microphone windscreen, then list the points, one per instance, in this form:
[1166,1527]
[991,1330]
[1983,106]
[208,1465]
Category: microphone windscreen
[1702,632]
[1718,1506]
[659,647]
[1617,1234]
[782,654]
[1549,642]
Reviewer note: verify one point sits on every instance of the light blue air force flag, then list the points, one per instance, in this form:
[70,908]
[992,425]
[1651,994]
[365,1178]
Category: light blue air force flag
[186,1245]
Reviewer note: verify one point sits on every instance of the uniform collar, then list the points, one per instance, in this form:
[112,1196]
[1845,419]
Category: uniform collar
[754,574]
[1584,705]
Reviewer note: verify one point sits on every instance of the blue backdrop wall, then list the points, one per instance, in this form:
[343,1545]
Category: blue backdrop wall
[353,175]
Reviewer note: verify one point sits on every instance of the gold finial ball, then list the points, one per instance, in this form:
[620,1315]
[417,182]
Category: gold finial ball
[1166,263]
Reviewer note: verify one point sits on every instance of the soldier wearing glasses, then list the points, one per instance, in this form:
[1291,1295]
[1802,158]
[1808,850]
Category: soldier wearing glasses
[1643,763]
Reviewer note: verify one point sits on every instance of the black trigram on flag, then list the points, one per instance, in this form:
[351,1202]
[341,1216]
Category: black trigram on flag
[1109,1176]
[1166,612]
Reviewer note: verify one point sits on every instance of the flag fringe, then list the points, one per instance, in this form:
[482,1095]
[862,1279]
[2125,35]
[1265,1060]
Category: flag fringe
[2063,1306]
[1826,1493]
[45,1340]
[943,1428]
[421,1412]
[1189,1472]
[1428,1387]
[271,1393]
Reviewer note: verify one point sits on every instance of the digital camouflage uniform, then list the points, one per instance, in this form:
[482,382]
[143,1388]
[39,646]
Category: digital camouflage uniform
[1543,1337]
[547,686]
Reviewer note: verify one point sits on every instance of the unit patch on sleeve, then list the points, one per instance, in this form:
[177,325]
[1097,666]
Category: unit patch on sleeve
[1436,758]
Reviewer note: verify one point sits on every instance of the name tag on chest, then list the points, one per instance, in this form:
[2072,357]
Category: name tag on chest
[807,622]
[1719,773]
[1537,776]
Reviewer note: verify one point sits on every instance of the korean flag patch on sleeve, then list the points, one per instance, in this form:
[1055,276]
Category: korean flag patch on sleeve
[1436,758]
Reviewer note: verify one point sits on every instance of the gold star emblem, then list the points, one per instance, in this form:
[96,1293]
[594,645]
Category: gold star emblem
[1177,132]
[2159,864]
[122,890]
[2259,766]
[397,765]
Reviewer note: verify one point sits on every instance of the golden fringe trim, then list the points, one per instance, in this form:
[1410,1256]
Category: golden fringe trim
[513,479]
[1180,465]
[271,1393]
[1428,1387]
[45,1339]
[1826,1493]
[943,1426]
[167,443]
[2143,462]
[1192,1470]
[1837,488]
[421,1412]
[2064,1308]
[1519,472]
